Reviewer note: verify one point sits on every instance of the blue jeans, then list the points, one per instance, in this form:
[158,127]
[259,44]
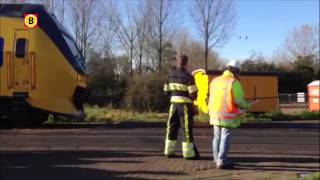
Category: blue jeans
[221,144]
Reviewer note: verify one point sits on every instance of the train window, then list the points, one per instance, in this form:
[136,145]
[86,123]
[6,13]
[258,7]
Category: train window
[21,47]
[73,47]
[1,50]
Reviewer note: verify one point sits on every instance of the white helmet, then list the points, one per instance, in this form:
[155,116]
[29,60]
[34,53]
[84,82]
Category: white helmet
[234,64]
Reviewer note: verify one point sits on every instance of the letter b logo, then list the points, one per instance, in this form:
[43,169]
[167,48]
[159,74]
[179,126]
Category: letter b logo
[30,20]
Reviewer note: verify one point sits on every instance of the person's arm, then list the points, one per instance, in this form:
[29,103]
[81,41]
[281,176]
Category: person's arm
[166,88]
[192,88]
[238,95]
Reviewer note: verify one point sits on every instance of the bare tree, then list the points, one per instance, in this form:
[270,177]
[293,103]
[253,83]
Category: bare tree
[162,19]
[85,19]
[141,21]
[49,4]
[194,50]
[303,41]
[215,20]
[302,47]
[182,42]
[126,32]
[57,7]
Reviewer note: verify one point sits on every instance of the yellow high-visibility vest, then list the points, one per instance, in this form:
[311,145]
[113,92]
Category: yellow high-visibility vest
[222,108]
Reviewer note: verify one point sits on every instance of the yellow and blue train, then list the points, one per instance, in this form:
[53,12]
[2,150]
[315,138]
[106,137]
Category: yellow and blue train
[42,70]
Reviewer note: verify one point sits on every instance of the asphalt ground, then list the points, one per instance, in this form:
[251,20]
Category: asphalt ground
[282,150]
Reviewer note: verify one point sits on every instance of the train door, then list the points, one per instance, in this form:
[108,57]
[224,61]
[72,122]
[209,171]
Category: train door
[21,61]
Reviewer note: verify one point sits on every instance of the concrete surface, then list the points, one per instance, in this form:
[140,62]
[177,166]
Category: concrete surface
[103,152]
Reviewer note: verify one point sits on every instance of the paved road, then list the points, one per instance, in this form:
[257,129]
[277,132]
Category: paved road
[136,153]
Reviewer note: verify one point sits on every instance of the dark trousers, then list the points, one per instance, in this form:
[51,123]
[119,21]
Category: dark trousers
[180,115]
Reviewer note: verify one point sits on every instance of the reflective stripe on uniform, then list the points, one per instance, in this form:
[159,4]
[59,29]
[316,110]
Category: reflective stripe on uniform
[166,87]
[169,147]
[221,114]
[177,87]
[186,122]
[180,99]
[192,89]
[234,123]
[168,123]
[188,149]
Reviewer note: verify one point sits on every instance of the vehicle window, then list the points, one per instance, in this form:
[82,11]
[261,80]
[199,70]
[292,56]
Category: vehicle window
[1,50]
[21,48]
[73,47]
[59,25]
[77,60]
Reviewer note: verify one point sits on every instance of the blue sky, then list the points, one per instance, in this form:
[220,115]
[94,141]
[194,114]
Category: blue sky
[267,24]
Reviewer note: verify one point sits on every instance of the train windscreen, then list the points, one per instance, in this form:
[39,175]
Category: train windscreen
[69,41]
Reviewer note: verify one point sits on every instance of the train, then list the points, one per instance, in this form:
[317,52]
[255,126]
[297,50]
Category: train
[42,70]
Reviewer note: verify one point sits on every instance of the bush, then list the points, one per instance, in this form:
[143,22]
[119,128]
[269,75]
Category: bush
[278,115]
[310,115]
[145,93]
[105,86]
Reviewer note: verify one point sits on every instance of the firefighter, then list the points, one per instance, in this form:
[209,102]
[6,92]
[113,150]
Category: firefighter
[182,90]
[226,104]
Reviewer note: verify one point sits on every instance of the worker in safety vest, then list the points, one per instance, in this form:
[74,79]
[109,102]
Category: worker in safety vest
[182,90]
[226,105]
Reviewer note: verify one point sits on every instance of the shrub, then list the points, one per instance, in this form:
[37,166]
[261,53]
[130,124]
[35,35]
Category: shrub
[310,115]
[145,93]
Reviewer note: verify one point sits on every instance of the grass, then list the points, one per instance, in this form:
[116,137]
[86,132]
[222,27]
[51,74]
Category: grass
[105,114]
[314,176]
[277,115]
[97,114]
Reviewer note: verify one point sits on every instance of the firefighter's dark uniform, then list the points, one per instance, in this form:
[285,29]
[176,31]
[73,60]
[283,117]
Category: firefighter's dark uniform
[182,90]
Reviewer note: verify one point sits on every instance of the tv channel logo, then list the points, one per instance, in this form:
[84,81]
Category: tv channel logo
[30,20]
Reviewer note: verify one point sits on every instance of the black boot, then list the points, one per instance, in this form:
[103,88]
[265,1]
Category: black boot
[170,155]
[196,152]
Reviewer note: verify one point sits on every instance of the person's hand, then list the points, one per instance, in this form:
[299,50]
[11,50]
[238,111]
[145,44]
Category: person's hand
[242,111]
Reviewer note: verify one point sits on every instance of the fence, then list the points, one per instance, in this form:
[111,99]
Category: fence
[296,98]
